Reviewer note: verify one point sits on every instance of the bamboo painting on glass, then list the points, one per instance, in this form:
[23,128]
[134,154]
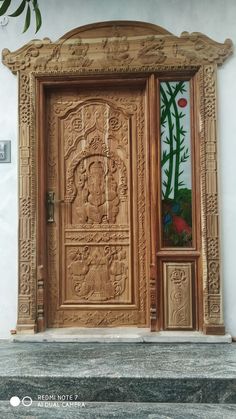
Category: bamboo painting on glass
[176,179]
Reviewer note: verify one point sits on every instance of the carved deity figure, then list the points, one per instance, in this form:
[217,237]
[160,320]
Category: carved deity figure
[119,272]
[98,274]
[97,198]
[117,49]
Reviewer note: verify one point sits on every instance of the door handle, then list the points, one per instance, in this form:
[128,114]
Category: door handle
[51,201]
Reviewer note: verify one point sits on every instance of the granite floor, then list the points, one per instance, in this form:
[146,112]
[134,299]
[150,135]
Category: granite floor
[118,360]
[118,380]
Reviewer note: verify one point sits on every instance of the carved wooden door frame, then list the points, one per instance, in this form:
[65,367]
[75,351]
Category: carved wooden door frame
[124,48]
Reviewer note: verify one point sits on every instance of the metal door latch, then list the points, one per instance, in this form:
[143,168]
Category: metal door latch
[51,201]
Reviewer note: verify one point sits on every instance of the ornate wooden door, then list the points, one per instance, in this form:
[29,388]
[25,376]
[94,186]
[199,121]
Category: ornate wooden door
[96,239]
[104,236]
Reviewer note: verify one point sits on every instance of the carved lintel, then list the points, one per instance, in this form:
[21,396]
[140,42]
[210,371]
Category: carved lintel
[119,48]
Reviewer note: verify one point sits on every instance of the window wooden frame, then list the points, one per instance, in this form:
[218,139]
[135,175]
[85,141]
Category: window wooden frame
[121,48]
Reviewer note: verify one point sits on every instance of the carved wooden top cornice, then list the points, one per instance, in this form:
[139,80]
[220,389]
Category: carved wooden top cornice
[117,45]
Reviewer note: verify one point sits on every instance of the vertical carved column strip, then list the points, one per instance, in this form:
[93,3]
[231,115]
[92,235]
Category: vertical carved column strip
[213,321]
[142,246]
[34,193]
[40,299]
[26,301]
[203,192]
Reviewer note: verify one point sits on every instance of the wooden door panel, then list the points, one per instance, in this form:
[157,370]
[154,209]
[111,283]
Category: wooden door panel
[97,264]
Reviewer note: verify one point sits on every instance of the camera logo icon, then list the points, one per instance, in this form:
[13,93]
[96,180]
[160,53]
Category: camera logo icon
[26,401]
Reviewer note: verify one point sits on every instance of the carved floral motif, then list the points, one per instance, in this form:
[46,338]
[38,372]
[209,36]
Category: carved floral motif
[23,58]
[97,236]
[178,289]
[104,318]
[214,280]
[24,99]
[25,279]
[203,49]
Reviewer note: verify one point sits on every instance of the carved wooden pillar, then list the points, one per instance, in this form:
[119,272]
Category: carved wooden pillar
[27,245]
[213,316]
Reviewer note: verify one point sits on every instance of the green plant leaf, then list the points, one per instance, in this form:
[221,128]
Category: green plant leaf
[19,10]
[38,18]
[27,19]
[4,7]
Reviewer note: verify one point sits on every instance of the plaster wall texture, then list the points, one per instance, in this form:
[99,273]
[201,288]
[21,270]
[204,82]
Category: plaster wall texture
[215,18]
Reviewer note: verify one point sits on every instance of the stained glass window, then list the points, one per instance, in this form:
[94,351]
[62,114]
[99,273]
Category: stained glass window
[176,177]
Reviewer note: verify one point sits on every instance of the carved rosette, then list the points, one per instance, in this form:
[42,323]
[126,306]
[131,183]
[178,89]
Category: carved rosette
[116,47]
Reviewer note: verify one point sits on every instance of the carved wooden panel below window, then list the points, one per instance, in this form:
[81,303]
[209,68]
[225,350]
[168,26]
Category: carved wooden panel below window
[178,295]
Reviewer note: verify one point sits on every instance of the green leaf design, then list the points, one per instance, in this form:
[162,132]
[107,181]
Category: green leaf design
[182,88]
[19,10]
[4,7]
[38,18]
[27,19]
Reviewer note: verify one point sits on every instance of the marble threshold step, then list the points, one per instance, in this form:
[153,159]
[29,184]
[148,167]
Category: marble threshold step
[97,410]
[120,334]
[88,372]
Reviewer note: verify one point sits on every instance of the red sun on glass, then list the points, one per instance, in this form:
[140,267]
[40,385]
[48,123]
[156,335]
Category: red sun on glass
[182,102]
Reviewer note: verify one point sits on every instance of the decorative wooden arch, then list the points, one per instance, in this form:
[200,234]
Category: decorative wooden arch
[117,47]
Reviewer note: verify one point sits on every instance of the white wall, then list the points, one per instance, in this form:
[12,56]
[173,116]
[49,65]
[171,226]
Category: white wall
[215,18]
